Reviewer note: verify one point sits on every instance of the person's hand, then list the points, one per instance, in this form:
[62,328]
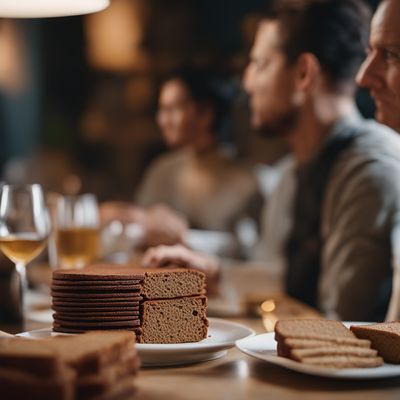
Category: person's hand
[162,256]
[163,226]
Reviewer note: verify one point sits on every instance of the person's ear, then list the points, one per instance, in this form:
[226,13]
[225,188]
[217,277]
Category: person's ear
[307,72]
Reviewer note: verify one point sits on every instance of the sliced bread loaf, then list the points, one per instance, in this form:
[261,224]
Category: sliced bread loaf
[324,343]
[332,331]
[299,354]
[343,361]
[174,320]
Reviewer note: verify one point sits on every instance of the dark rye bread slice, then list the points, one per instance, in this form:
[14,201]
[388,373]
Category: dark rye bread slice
[99,383]
[293,343]
[20,385]
[95,288]
[113,302]
[99,272]
[385,337]
[284,348]
[95,295]
[166,283]
[125,323]
[65,329]
[333,331]
[29,356]
[114,282]
[96,318]
[300,354]
[95,310]
[343,361]
[174,320]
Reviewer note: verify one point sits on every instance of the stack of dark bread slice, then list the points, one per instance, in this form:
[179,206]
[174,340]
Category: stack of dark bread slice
[94,366]
[324,343]
[159,305]
[384,337]
[95,299]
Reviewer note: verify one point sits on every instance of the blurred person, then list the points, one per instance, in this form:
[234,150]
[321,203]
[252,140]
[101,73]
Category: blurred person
[346,204]
[380,72]
[196,178]
[196,184]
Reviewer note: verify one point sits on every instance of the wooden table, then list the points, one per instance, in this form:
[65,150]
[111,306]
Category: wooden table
[237,376]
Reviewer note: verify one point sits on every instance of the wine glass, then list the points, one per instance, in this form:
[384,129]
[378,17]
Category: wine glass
[77,234]
[24,226]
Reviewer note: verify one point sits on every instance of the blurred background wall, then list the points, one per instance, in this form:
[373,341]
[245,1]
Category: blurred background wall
[78,95]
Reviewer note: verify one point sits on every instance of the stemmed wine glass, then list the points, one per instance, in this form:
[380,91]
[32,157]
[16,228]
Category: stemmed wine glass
[24,226]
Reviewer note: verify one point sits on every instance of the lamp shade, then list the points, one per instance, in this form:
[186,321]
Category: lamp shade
[49,8]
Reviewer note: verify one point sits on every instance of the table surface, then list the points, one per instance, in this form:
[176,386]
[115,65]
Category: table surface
[237,376]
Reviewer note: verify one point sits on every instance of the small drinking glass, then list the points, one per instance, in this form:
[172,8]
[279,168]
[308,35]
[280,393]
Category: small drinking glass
[77,235]
[24,226]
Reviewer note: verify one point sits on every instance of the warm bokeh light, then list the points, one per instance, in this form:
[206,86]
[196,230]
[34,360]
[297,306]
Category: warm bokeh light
[268,306]
[13,74]
[114,37]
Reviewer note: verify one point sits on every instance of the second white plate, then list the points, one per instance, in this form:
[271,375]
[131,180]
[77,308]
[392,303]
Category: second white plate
[263,347]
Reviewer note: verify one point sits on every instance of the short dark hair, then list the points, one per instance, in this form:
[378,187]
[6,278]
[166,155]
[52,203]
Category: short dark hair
[335,31]
[202,85]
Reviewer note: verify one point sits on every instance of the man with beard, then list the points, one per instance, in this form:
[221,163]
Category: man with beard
[346,203]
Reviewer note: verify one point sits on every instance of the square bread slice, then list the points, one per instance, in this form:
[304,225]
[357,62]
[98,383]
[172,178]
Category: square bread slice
[293,343]
[29,356]
[299,354]
[343,361]
[332,331]
[99,383]
[385,337]
[168,283]
[179,320]
[90,352]
[285,347]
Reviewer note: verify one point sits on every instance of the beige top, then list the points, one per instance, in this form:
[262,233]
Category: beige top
[208,188]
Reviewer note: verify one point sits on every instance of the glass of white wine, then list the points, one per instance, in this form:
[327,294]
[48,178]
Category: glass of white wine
[77,233]
[24,226]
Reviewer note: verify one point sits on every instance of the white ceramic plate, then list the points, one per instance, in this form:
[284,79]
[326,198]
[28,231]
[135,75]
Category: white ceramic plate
[221,336]
[263,347]
[45,316]
[212,242]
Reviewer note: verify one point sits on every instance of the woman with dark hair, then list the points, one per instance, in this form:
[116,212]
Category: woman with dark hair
[197,178]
